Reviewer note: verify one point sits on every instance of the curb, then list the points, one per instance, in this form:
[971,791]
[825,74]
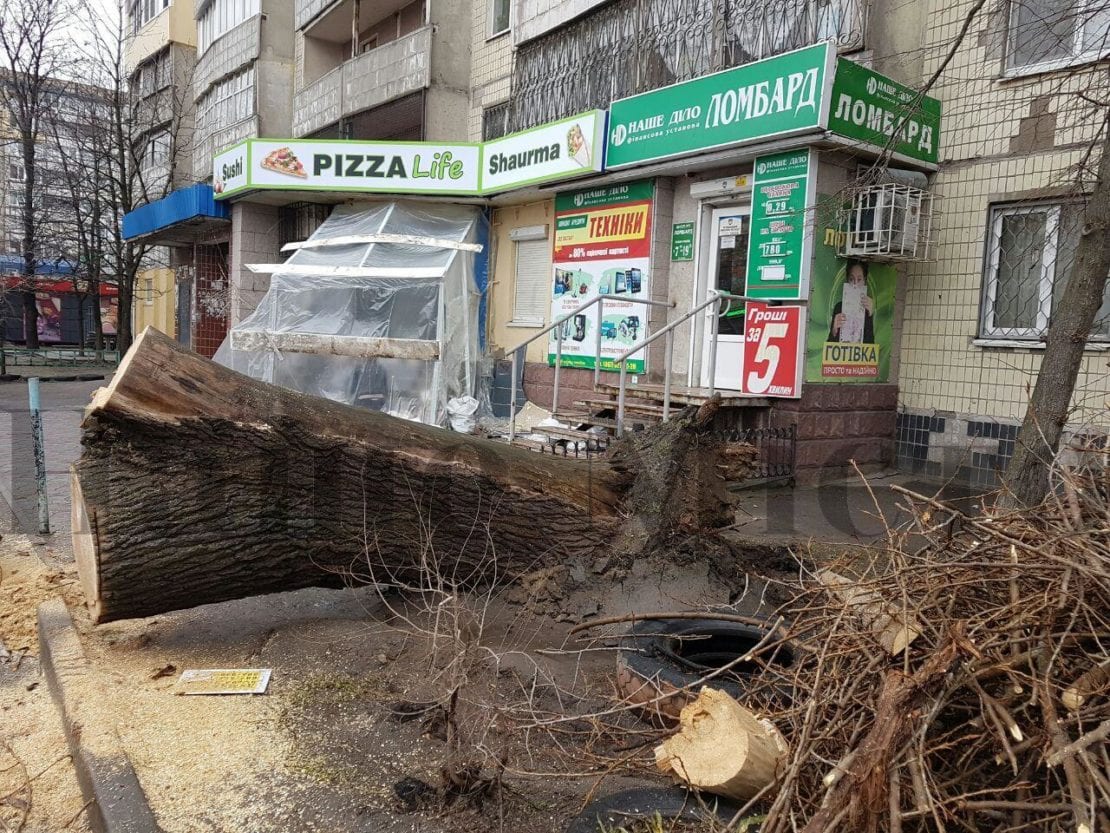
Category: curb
[108,782]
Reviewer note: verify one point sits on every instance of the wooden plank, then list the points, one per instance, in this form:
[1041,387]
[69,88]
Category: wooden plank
[358,347]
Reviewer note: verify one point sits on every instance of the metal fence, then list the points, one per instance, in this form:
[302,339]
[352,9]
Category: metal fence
[776,451]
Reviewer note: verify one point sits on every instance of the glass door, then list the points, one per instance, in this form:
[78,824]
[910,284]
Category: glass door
[726,269]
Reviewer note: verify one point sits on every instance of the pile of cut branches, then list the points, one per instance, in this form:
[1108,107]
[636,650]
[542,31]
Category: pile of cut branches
[996,715]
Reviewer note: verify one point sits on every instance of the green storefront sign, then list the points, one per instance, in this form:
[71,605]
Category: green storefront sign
[781,241]
[804,91]
[873,109]
[772,97]
[682,241]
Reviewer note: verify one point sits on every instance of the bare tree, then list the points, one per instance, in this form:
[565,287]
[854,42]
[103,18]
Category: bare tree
[29,38]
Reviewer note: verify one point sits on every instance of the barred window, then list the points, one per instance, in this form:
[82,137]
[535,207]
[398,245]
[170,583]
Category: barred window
[1031,251]
[1048,34]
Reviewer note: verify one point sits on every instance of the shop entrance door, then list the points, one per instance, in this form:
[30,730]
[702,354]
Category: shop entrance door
[725,268]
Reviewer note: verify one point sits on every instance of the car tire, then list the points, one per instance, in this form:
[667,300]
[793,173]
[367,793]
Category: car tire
[671,803]
[657,669]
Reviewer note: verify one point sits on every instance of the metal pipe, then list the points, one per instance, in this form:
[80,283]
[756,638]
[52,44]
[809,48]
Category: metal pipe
[597,340]
[40,454]
[558,365]
[715,325]
[620,397]
[512,398]
[667,358]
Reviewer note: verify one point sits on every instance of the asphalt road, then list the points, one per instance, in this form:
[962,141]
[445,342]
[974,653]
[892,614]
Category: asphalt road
[62,407]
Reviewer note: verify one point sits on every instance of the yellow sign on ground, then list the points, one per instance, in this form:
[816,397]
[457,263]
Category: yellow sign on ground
[223,681]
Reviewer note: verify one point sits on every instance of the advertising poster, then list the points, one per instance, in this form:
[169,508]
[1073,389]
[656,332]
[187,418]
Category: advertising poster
[781,240]
[851,323]
[557,150]
[602,247]
[773,349]
[50,317]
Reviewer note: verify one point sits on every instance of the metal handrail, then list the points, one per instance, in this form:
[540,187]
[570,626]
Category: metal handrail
[558,326]
[715,299]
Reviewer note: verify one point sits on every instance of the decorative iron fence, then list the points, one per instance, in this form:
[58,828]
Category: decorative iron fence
[632,46]
[776,450]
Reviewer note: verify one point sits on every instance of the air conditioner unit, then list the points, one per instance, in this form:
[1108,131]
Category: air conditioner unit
[888,221]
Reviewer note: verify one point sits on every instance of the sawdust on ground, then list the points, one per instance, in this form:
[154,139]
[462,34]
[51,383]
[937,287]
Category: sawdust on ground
[37,781]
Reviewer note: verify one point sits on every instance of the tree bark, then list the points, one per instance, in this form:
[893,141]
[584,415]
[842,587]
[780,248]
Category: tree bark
[1026,476]
[198,485]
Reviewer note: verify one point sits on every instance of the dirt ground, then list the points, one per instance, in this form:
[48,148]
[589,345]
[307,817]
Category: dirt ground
[359,730]
[38,787]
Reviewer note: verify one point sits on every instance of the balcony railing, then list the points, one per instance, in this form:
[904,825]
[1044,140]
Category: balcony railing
[632,46]
[389,72]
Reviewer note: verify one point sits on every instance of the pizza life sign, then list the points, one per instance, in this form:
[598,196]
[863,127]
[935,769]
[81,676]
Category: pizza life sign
[774,344]
[780,246]
[368,167]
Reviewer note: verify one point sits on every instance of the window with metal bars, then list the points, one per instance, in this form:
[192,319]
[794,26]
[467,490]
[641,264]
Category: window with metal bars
[1030,254]
[1049,34]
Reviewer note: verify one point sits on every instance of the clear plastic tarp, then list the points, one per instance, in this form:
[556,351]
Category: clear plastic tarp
[438,304]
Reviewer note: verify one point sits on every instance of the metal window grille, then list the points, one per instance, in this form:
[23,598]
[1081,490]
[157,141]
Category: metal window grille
[632,46]
[1030,255]
[888,221]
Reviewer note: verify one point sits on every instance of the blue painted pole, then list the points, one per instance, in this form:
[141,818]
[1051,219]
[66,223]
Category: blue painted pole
[40,454]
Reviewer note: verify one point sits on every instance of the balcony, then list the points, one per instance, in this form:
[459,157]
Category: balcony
[632,46]
[377,76]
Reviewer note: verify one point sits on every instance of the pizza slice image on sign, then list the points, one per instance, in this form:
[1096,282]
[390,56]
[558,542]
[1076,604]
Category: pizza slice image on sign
[284,161]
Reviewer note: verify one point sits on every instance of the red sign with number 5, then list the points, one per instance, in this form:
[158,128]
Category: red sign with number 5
[773,350]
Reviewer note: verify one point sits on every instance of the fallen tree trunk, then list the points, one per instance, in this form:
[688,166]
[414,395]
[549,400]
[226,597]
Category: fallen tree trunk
[198,485]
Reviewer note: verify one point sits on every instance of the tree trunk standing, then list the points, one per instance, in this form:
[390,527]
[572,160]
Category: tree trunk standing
[199,485]
[30,242]
[80,323]
[1072,318]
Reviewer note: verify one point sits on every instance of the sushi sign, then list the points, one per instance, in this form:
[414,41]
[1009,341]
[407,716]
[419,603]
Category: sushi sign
[562,149]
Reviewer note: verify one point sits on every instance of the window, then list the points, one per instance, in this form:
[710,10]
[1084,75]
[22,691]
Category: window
[227,102]
[499,16]
[220,17]
[157,150]
[149,291]
[532,275]
[1047,34]
[15,171]
[144,11]
[1031,250]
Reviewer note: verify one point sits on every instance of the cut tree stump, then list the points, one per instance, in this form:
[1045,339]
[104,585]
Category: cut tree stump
[723,748]
[198,484]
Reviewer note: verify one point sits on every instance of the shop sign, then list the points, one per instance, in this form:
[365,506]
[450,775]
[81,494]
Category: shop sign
[602,247]
[682,241]
[774,97]
[878,111]
[558,150]
[338,165]
[229,171]
[773,348]
[851,317]
[780,245]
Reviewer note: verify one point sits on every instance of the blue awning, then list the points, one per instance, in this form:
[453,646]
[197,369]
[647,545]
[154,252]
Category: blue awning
[185,205]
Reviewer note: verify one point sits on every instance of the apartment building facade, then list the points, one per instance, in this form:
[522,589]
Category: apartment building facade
[873,330]
[1020,101]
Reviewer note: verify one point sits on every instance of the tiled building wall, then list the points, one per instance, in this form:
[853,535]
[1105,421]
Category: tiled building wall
[255,240]
[491,62]
[1004,139]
